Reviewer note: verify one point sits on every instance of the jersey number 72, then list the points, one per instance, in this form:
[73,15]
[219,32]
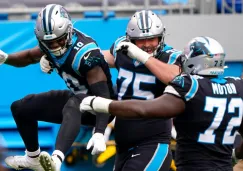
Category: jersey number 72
[222,108]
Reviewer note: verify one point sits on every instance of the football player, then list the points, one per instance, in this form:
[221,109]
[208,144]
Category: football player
[80,63]
[142,144]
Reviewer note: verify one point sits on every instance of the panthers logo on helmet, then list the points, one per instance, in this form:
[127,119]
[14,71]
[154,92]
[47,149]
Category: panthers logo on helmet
[199,48]
[64,13]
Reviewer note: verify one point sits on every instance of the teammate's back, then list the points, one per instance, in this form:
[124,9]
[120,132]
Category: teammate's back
[206,130]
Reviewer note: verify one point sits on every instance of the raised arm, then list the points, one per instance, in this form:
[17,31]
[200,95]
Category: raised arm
[164,72]
[24,58]
[109,58]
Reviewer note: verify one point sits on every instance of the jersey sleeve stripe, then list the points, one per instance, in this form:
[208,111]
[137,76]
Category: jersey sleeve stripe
[79,55]
[116,43]
[193,90]
[173,57]
[167,47]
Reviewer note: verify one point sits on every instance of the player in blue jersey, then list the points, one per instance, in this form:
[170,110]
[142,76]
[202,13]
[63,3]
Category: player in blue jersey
[208,109]
[142,143]
[79,62]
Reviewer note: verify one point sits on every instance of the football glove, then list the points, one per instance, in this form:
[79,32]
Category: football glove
[97,141]
[133,51]
[3,57]
[97,104]
[45,65]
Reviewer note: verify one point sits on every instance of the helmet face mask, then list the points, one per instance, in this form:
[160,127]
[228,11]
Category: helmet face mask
[57,46]
[146,25]
[54,26]
[204,56]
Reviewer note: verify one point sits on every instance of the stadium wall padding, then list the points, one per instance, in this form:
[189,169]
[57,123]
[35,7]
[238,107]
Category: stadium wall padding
[19,35]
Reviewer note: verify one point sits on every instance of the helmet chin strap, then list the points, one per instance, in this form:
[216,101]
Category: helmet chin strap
[160,46]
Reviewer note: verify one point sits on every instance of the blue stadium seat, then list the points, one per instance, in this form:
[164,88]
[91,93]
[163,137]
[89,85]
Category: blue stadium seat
[3,16]
[33,16]
[98,14]
[160,12]
[168,2]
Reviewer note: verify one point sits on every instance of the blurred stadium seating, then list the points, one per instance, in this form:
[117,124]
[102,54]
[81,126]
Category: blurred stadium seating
[36,3]
[28,9]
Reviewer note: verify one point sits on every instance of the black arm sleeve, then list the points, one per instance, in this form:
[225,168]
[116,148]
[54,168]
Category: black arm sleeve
[101,89]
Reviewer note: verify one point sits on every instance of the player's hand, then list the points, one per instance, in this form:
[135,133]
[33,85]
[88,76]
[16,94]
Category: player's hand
[45,65]
[97,141]
[3,57]
[133,51]
[85,105]
[97,104]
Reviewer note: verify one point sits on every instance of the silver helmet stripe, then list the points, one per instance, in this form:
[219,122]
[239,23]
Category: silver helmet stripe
[49,18]
[141,21]
[44,21]
[145,24]
[146,21]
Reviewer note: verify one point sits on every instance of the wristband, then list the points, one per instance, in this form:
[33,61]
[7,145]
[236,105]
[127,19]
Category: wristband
[101,105]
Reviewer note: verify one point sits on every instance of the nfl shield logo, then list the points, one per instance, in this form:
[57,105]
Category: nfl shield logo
[136,63]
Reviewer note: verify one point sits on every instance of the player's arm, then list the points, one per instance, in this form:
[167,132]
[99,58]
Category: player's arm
[24,58]
[98,84]
[164,72]
[91,67]
[97,81]
[109,58]
[165,106]
[170,104]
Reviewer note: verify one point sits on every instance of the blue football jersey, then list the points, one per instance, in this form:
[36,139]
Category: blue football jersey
[207,128]
[135,81]
[83,55]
